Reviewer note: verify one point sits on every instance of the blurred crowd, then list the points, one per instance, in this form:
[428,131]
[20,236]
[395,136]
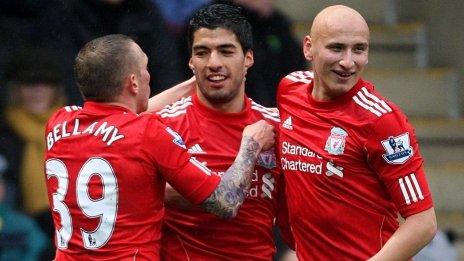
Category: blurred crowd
[38,43]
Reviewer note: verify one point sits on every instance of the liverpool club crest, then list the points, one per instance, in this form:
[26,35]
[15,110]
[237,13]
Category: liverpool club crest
[335,143]
[267,159]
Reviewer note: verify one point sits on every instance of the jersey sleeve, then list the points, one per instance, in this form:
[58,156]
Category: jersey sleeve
[186,175]
[289,81]
[281,88]
[393,153]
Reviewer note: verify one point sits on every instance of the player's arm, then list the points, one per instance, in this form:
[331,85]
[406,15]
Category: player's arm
[172,198]
[404,177]
[229,195]
[171,95]
[414,234]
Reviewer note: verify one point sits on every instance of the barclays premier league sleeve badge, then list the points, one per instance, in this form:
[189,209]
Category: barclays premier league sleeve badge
[177,138]
[398,149]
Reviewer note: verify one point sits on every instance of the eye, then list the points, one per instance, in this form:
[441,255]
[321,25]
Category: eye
[359,49]
[336,48]
[200,53]
[227,52]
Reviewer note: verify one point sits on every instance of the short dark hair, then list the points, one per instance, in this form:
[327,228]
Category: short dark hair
[101,66]
[225,16]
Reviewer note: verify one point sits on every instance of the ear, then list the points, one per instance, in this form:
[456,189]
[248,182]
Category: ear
[249,59]
[190,64]
[307,48]
[132,84]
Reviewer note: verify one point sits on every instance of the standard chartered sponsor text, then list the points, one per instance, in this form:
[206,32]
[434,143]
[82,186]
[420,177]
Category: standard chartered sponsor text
[288,148]
[299,165]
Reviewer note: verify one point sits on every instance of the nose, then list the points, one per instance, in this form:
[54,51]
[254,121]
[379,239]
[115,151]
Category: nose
[214,61]
[347,59]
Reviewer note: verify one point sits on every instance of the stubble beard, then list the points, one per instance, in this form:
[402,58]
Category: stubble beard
[219,96]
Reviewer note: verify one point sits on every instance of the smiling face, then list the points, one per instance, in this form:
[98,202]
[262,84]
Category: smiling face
[338,49]
[220,66]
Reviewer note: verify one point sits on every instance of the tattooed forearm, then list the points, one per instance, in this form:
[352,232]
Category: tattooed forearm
[235,183]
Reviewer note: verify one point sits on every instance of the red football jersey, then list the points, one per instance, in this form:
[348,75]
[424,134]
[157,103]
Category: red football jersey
[350,165]
[214,138]
[106,170]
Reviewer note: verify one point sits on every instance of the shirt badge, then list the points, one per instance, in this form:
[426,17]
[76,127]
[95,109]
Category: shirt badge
[398,149]
[196,149]
[267,159]
[333,169]
[177,138]
[288,123]
[335,143]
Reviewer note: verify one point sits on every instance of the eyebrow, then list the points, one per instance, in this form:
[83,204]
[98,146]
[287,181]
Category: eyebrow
[222,46]
[344,44]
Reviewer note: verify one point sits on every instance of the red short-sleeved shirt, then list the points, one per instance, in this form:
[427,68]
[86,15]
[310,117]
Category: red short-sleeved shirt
[106,169]
[350,165]
[214,138]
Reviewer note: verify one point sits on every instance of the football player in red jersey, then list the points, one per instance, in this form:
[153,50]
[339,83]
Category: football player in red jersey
[350,157]
[106,165]
[211,121]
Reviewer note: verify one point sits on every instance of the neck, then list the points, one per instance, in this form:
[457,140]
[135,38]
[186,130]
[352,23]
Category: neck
[322,92]
[319,93]
[129,106]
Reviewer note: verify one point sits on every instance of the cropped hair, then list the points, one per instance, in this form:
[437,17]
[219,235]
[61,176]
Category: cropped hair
[102,65]
[224,16]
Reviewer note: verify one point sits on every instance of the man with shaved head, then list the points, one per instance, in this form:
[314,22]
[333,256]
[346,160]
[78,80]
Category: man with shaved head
[347,177]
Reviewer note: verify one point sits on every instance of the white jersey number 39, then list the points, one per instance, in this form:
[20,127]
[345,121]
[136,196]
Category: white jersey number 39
[105,207]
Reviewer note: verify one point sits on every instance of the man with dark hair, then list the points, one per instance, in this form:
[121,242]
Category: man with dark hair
[211,120]
[107,165]
[276,51]
[222,16]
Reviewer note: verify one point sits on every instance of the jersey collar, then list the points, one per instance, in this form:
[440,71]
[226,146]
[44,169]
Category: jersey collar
[99,107]
[221,116]
[339,102]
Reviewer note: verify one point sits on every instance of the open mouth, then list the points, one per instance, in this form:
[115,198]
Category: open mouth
[344,75]
[216,78]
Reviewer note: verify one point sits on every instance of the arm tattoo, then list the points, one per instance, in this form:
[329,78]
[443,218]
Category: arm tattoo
[235,183]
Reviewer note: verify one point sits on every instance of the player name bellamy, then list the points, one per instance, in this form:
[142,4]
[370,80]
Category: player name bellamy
[108,133]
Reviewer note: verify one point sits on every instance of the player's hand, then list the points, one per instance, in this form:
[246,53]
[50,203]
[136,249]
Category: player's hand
[262,132]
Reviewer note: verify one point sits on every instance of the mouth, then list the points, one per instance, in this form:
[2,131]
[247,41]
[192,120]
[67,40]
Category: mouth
[343,74]
[216,78]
